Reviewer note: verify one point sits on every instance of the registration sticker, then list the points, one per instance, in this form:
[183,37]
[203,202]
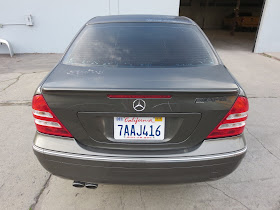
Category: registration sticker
[159,119]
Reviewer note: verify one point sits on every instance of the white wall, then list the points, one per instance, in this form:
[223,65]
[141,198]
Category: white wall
[57,21]
[158,7]
[268,39]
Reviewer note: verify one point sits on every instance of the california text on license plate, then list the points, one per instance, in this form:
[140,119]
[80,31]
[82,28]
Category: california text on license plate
[144,128]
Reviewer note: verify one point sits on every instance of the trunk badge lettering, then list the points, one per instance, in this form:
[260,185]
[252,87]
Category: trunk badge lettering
[139,105]
[205,100]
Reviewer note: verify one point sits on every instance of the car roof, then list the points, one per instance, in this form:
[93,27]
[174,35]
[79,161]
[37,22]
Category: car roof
[140,18]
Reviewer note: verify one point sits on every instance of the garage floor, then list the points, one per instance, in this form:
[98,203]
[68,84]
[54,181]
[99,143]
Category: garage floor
[254,185]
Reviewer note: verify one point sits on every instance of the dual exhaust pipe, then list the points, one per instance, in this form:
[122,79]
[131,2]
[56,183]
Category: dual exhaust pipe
[88,185]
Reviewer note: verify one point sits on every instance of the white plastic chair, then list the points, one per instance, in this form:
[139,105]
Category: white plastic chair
[3,41]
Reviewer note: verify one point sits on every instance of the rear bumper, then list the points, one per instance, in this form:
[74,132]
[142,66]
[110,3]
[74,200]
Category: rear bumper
[99,168]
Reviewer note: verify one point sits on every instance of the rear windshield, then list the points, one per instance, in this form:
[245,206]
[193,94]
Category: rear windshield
[140,45]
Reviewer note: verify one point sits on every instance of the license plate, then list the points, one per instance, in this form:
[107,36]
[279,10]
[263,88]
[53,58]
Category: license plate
[139,128]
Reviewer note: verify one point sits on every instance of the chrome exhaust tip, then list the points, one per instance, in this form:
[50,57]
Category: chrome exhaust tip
[91,185]
[78,184]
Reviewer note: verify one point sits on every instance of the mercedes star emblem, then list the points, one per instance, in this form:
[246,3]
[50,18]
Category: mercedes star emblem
[139,105]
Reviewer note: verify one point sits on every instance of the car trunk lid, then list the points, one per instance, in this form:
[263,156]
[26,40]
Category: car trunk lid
[200,98]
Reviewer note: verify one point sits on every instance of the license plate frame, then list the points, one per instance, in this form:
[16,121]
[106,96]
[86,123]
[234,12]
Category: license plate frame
[139,129]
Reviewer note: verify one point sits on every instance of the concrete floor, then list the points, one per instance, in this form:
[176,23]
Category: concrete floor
[254,185]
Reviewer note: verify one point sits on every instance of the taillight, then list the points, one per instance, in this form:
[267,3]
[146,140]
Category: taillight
[234,122]
[45,120]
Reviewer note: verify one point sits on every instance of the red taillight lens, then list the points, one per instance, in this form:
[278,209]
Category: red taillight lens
[234,122]
[45,120]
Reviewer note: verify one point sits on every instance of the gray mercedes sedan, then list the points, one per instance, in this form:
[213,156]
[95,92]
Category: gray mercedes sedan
[140,99]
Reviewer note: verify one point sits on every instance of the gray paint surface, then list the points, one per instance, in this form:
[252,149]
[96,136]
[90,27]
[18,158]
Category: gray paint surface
[140,18]
[192,79]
